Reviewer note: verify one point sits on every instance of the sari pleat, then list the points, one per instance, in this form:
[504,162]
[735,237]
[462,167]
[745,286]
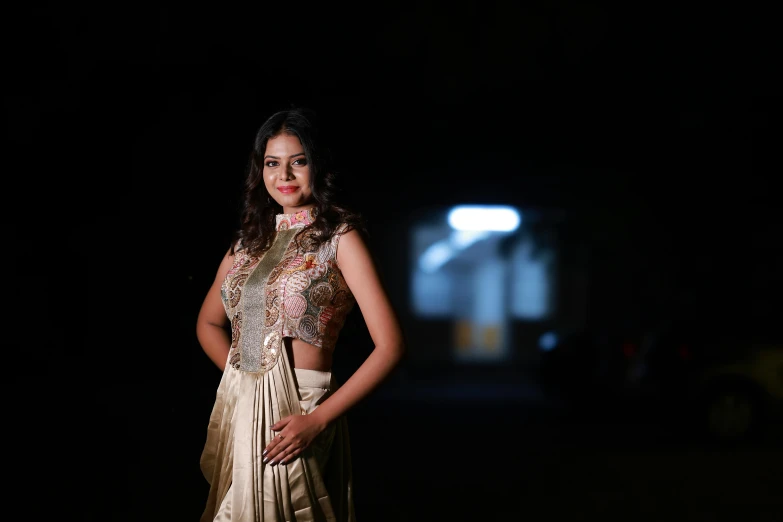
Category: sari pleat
[316,486]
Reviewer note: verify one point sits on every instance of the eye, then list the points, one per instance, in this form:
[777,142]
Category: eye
[271,163]
[300,161]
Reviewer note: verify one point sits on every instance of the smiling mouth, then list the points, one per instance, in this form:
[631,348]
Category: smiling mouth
[287,190]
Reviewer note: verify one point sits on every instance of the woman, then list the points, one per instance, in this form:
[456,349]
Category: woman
[277,443]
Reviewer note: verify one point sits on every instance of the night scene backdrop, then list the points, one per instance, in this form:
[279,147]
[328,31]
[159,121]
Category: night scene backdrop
[611,352]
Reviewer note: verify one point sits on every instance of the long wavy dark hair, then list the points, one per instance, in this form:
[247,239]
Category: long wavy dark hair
[257,223]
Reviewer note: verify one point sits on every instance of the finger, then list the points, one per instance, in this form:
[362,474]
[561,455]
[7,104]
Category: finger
[289,457]
[276,440]
[282,444]
[276,455]
[290,453]
[283,452]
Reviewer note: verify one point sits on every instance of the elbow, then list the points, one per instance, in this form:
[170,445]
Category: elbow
[206,329]
[200,326]
[391,351]
[396,351]
[391,347]
[402,349]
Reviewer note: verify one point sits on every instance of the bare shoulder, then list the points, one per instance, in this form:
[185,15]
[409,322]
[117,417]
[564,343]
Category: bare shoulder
[352,248]
[225,264]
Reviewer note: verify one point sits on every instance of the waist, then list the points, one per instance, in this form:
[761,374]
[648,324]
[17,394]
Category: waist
[306,356]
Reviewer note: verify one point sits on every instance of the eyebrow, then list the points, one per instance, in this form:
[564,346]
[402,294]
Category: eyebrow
[292,155]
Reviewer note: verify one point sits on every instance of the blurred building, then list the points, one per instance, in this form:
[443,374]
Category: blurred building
[487,284]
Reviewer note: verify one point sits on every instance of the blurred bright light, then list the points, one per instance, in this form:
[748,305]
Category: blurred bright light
[530,284]
[547,341]
[488,218]
[462,239]
[443,251]
[436,256]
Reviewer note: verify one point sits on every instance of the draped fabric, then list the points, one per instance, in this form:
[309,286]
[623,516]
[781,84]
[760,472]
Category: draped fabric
[316,486]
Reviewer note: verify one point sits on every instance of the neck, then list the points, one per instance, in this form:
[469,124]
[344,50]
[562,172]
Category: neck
[294,210]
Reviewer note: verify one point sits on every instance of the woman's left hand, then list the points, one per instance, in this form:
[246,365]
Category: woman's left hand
[295,433]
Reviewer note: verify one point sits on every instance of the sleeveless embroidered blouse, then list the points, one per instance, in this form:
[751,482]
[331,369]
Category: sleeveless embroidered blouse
[290,291]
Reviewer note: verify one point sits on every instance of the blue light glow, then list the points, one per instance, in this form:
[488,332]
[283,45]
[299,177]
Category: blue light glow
[436,256]
[547,341]
[443,251]
[531,289]
[462,239]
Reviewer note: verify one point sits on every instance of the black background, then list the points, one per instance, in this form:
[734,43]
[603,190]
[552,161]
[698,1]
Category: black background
[128,128]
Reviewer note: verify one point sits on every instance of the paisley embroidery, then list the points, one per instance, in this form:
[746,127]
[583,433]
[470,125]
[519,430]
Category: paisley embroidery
[272,298]
[234,291]
[270,317]
[304,296]
[280,268]
[235,360]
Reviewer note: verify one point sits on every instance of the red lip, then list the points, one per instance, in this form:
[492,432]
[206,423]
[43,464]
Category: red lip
[287,189]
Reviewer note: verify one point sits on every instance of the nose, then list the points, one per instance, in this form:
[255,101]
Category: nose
[286,173]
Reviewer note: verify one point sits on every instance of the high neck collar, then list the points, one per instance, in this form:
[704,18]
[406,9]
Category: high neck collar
[298,219]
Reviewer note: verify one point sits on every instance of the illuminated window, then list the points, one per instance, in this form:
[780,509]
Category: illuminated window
[476,266]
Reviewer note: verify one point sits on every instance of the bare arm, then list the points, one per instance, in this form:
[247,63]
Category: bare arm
[361,275]
[211,324]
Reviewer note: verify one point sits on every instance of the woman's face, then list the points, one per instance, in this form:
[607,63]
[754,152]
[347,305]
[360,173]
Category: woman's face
[287,174]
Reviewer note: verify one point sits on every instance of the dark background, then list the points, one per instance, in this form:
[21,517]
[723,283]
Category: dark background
[654,128]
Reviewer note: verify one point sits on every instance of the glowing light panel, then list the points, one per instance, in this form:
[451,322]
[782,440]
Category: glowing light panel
[488,218]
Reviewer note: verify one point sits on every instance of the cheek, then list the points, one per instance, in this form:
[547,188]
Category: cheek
[269,181]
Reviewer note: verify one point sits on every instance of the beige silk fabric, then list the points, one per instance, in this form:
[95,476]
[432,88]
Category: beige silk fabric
[317,486]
